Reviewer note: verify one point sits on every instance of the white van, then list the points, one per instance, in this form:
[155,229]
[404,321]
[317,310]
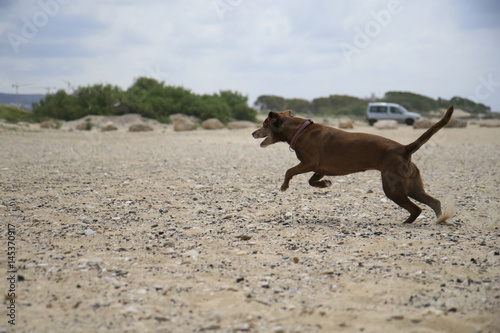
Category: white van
[381,110]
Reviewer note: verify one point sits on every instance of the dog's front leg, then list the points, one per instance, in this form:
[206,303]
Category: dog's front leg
[298,169]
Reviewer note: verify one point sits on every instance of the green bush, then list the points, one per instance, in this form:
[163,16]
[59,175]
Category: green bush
[270,103]
[147,97]
[411,101]
[337,105]
[469,106]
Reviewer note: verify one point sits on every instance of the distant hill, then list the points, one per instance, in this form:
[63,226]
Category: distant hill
[25,100]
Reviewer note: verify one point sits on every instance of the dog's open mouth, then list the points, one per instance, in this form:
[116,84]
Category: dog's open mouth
[265,143]
[262,134]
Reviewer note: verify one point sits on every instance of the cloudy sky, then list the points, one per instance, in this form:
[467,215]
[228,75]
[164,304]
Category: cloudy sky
[291,48]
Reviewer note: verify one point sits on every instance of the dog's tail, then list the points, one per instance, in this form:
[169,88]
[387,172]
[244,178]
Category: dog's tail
[414,146]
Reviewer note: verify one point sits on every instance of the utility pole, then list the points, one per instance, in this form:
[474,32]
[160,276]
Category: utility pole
[69,85]
[17,85]
[48,89]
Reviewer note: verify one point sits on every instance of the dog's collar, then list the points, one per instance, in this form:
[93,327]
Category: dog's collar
[301,128]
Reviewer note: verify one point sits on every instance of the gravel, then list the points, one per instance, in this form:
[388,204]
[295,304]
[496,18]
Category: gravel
[188,232]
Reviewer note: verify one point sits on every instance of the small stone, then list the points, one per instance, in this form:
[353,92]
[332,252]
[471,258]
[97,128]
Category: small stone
[130,310]
[242,328]
[422,123]
[48,124]
[183,124]
[278,329]
[84,126]
[346,123]
[296,259]
[212,124]
[108,127]
[140,128]
[193,254]
[212,327]
[244,237]
[89,232]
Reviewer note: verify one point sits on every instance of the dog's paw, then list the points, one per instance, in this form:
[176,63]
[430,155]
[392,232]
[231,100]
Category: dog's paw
[284,188]
[327,183]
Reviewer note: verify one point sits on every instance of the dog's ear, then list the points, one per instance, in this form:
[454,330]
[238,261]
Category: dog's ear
[288,113]
[274,119]
[273,115]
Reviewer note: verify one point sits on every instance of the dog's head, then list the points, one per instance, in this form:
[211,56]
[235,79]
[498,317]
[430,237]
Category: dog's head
[272,128]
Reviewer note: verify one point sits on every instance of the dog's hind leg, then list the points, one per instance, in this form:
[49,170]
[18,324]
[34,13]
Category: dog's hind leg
[316,181]
[397,192]
[417,192]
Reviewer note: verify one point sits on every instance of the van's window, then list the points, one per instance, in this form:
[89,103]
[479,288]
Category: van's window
[378,109]
[396,110]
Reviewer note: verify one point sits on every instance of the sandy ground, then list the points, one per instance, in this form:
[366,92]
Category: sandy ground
[188,232]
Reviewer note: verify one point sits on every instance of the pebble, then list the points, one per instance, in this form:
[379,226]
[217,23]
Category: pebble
[193,254]
[89,232]
[278,329]
[244,237]
[238,253]
[398,317]
[129,310]
[212,327]
[242,328]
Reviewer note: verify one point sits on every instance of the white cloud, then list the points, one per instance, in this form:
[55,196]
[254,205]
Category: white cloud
[290,48]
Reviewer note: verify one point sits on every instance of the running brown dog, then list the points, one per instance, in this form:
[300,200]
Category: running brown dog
[328,151]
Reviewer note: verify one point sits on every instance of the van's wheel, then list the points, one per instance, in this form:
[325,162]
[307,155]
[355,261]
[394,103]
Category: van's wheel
[371,121]
[409,121]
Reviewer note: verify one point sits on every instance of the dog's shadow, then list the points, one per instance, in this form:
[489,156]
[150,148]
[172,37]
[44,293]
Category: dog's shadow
[358,225]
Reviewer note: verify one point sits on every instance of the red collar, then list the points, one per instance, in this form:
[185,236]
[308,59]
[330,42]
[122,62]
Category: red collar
[301,128]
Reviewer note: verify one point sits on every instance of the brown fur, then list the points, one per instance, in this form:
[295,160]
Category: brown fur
[328,151]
